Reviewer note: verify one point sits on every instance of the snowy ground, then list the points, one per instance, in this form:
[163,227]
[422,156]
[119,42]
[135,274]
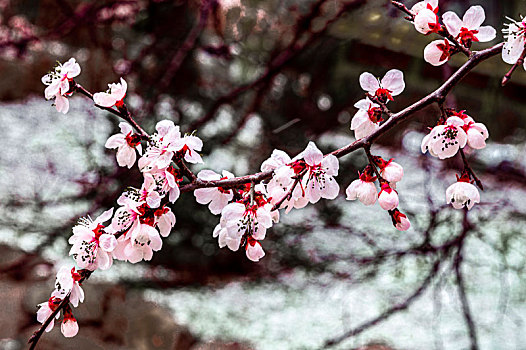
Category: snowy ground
[51,154]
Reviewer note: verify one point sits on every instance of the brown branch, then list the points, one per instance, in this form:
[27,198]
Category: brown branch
[467,168]
[186,171]
[435,96]
[404,8]
[520,61]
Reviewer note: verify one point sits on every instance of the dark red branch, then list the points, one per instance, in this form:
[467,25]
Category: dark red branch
[396,118]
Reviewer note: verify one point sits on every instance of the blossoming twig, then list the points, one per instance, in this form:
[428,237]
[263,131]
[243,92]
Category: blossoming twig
[123,111]
[35,337]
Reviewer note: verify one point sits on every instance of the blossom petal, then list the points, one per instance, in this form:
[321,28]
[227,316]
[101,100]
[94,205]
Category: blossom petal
[394,81]
[474,17]
[369,83]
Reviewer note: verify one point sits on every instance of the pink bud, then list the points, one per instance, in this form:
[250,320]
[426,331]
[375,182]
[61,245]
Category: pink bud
[387,198]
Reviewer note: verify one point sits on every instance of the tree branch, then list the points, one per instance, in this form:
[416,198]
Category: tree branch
[396,118]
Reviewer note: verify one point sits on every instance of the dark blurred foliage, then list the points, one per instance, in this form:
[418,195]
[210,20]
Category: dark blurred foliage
[294,63]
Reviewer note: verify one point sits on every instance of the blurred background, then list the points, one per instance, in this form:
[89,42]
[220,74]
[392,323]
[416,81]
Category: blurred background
[251,76]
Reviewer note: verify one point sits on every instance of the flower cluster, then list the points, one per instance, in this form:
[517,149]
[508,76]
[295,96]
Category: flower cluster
[388,175]
[67,285]
[134,230]
[367,120]
[454,133]
[457,33]
[445,140]
[58,86]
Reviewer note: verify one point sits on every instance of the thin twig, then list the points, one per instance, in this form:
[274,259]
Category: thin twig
[288,195]
[122,112]
[36,336]
[467,168]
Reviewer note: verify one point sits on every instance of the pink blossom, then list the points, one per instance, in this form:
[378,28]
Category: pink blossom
[363,188]
[69,326]
[462,193]
[253,250]
[426,19]
[91,244]
[113,96]
[390,171]
[392,84]
[319,181]
[438,52]
[216,197]
[469,28]
[277,159]
[515,35]
[45,310]
[57,83]
[445,140]
[367,120]
[400,220]
[68,282]
[126,143]
[387,198]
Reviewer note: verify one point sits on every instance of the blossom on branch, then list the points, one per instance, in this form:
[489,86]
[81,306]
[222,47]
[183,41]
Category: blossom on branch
[57,83]
[45,310]
[367,119]
[462,193]
[387,198]
[390,171]
[363,188]
[126,143]
[218,197]
[319,181]
[469,29]
[392,84]
[68,282]
[445,140]
[69,326]
[426,19]
[113,96]
[515,35]
[91,244]
[400,220]
[438,52]
[476,133]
